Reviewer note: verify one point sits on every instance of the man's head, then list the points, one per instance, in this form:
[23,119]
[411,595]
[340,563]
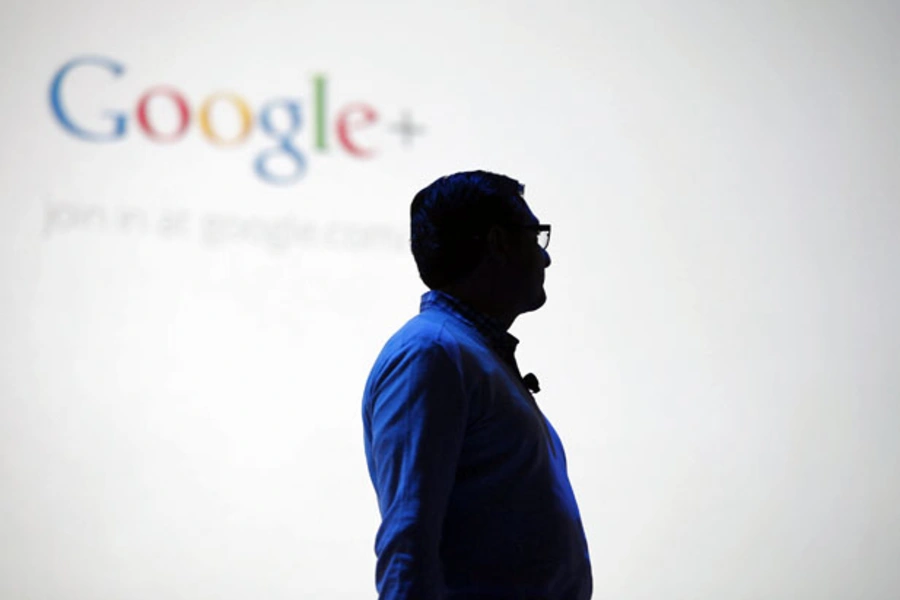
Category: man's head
[473,234]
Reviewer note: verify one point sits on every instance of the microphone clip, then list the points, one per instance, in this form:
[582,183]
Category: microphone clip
[531,382]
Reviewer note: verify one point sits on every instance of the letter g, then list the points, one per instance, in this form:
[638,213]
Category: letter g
[59,111]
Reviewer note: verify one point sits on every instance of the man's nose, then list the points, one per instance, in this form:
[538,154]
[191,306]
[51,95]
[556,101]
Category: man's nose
[547,260]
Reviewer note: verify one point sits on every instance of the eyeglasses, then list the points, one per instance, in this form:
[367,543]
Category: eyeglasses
[542,232]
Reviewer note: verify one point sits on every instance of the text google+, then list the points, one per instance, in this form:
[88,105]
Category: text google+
[270,118]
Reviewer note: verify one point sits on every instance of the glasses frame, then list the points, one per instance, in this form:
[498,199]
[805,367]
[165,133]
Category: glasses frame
[538,228]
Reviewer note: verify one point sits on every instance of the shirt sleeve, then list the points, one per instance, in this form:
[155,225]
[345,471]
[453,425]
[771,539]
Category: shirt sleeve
[418,420]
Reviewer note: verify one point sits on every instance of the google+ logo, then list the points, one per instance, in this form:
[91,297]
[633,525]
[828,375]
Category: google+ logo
[279,119]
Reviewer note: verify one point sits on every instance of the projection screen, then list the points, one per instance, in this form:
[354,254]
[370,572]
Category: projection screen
[205,243]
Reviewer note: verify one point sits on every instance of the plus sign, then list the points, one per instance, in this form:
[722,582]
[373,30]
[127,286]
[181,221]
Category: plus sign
[406,128]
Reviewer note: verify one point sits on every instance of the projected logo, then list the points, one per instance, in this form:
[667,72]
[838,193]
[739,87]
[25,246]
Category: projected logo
[163,114]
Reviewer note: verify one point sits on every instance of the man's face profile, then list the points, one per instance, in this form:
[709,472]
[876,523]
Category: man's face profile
[526,263]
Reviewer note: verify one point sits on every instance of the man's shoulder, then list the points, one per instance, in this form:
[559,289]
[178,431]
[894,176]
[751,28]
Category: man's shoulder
[429,331]
[429,336]
[421,341]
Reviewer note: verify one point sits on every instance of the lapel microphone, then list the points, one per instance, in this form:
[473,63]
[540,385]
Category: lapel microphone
[531,382]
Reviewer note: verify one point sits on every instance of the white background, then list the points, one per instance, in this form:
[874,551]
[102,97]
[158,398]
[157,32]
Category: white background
[719,351]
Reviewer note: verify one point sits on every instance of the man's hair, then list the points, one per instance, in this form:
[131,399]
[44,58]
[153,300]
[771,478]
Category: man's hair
[449,220]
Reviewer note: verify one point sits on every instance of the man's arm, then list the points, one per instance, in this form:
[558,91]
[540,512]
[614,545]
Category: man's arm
[418,420]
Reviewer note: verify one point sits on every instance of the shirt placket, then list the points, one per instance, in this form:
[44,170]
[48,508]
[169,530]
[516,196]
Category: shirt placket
[508,357]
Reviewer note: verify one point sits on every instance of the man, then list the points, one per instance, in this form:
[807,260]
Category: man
[470,477]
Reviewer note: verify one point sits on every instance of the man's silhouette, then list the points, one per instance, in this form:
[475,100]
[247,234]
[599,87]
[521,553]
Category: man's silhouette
[470,477]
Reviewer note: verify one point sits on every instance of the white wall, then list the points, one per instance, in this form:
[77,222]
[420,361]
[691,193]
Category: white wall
[180,392]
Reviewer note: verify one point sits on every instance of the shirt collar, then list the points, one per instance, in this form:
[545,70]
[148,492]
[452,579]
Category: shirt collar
[489,327]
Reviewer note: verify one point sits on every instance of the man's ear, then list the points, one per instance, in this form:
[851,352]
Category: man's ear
[498,244]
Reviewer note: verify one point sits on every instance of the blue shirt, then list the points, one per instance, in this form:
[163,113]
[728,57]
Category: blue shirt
[470,477]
